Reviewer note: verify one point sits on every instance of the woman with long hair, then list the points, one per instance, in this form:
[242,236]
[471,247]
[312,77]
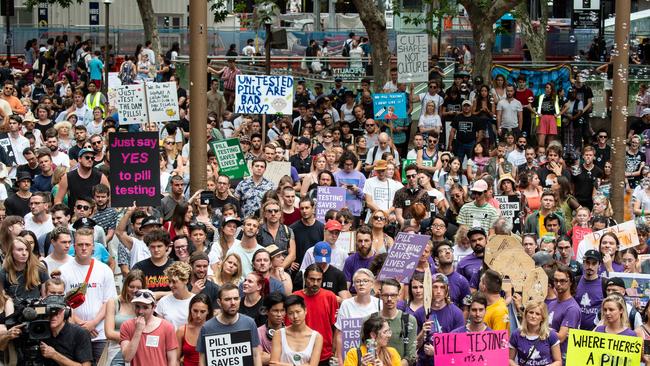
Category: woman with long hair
[547,113]
[22,275]
[453,175]
[381,242]
[66,141]
[200,310]
[347,137]
[297,343]
[458,197]
[630,260]
[608,248]
[605,183]
[644,331]
[479,159]
[181,220]
[498,92]
[376,332]
[634,161]
[529,185]
[96,125]
[230,270]
[175,306]
[566,202]
[175,160]
[227,231]
[535,340]
[325,178]
[361,150]
[603,208]
[119,310]
[319,164]
[430,121]
[484,107]
[255,287]
[204,213]
[615,318]
[425,179]
[415,294]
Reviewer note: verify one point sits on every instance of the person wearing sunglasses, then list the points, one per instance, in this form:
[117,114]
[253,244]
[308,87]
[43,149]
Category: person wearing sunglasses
[406,196]
[79,182]
[603,149]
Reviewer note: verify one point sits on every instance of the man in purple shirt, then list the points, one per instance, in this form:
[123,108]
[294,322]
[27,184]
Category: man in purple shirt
[589,293]
[458,285]
[362,258]
[353,180]
[564,311]
[472,263]
[476,315]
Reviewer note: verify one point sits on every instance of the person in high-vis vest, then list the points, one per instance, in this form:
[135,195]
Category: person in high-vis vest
[95,98]
[548,114]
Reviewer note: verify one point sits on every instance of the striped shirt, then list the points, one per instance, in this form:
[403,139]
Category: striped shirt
[229,77]
[484,216]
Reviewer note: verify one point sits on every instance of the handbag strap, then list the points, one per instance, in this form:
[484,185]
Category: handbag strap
[90,270]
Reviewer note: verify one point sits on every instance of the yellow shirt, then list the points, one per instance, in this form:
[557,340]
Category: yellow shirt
[540,224]
[496,316]
[351,356]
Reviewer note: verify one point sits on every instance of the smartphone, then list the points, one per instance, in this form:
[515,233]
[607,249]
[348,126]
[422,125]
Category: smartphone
[207,197]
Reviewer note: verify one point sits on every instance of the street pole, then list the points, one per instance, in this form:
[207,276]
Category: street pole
[317,27]
[107,4]
[198,86]
[267,55]
[9,38]
[619,106]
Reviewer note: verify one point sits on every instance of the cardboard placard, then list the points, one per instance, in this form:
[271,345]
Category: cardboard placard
[275,170]
[389,106]
[535,286]
[579,233]
[500,243]
[471,349]
[329,198]
[229,349]
[262,94]
[135,174]
[603,349]
[347,239]
[403,257]
[412,58]
[514,264]
[130,102]
[230,158]
[625,232]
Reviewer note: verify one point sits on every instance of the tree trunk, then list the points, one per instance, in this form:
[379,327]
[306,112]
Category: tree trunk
[375,23]
[150,24]
[534,35]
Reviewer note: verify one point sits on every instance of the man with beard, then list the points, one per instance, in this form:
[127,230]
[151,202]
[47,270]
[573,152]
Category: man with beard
[478,213]
[308,230]
[262,265]
[79,182]
[18,203]
[471,264]
[43,181]
[104,216]
[321,308]
[517,156]
[199,282]
[80,137]
[589,292]
[498,165]
[402,325]
[406,196]
[38,220]
[136,249]
[531,164]
[564,311]
[458,285]
[361,258]
[248,245]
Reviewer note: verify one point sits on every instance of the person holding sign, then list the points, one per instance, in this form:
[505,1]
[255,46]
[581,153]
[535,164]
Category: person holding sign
[615,318]
[297,336]
[534,343]
[374,349]
[476,315]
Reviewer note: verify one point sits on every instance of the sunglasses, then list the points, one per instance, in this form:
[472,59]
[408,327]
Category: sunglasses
[169,142]
[411,176]
[445,160]
[272,210]
[369,124]
[602,137]
[145,294]
[82,207]
[475,193]
[379,218]
[96,142]
[87,157]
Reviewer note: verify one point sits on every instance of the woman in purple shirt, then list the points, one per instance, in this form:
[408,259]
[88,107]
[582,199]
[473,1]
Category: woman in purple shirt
[534,343]
[614,313]
[608,248]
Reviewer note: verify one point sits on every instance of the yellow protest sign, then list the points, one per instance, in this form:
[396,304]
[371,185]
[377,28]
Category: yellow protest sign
[602,349]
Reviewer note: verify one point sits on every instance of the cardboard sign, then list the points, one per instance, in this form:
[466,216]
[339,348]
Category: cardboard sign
[505,255]
[230,158]
[135,174]
[412,58]
[328,198]
[469,349]
[275,170]
[407,162]
[603,349]
[114,82]
[261,94]
[625,232]
[131,103]
[499,243]
[162,102]
[389,106]
[535,286]
[403,257]
[229,349]
[510,207]
[637,286]
[351,332]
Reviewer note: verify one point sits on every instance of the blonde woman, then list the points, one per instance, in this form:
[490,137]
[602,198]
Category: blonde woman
[230,270]
[175,161]
[175,306]
[535,342]
[615,320]
[63,129]
[430,120]
[318,165]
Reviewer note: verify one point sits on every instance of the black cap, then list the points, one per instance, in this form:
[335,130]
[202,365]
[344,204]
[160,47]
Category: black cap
[338,80]
[150,220]
[84,222]
[22,176]
[304,140]
[476,230]
[615,281]
[593,254]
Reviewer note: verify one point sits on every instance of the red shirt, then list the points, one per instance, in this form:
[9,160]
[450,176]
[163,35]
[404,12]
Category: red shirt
[289,219]
[525,97]
[321,316]
[153,347]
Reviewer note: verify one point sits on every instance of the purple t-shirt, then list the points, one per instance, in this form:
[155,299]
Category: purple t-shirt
[352,201]
[533,352]
[352,264]
[444,321]
[404,306]
[464,329]
[469,265]
[589,296]
[458,288]
[564,314]
[617,268]
[625,332]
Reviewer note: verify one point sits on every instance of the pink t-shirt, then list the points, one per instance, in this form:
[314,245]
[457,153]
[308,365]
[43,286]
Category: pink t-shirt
[153,347]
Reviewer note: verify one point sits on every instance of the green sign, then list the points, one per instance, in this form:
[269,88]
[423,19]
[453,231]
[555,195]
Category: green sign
[230,158]
[407,162]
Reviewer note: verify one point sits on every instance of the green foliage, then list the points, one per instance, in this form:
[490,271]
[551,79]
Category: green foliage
[435,13]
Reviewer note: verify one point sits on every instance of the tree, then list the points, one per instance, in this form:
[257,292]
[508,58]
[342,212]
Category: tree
[435,10]
[532,33]
[482,15]
[375,23]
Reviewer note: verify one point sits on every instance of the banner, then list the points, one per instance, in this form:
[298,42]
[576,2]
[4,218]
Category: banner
[389,106]
[230,158]
[262,94]
[328,198]
[229,349]
[131,103]
[537,77]
[407,162]
[625,232]
[403,257]
[510,207]
[135,174]
[412,58]
[162,102]
[93,12]
[603,349]
[348,73]
[351,333]
[469,349]
[637,287]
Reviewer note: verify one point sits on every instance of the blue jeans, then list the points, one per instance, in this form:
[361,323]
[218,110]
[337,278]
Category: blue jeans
[462,150]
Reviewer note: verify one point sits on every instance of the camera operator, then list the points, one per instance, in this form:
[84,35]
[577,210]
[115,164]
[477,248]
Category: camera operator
[69,344]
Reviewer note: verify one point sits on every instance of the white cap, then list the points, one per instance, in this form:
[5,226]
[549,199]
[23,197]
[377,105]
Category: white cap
[645,112]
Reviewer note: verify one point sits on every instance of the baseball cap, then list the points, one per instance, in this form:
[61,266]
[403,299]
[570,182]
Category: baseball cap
[303,140]
[479,186]
[150,220]
[439,277]
[144,296]
[229,219]
[476,230]
[274,250]
[615,281]
[322,252]
[593,254]
[84,222]
[338,80]
[381,165]
[645,112]
[467,102]
[42,49]
[331,225]
[85,150]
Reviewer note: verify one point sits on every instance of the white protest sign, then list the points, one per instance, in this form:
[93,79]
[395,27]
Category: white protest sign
[113,83]
[162,102]
[262,94]
[412,58]
[229,349]
[131,104]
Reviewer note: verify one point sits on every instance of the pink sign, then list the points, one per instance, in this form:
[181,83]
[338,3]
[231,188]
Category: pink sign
[470,349]
[578,234]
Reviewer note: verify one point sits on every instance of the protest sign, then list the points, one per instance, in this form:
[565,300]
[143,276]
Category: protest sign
[275,170]
[230,158]
[510,207]
[579,233]
[625,232]
[328,198]
[130,102]
[347,239]
[407,162]
[603,349]
[348,73]
[114,82]
[469,349]
[135,175]
[5,142]
[389,106]
[535,286]
[497,244]
[403,257]
[229,349]
[412,58]
[162,102]
[351,329]
[637,286]
[505,255]
[262,94]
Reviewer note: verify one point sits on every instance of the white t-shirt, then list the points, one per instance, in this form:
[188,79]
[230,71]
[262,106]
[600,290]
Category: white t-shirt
[516,157]
[460,253]
[426,98]
[339,255]
[101,288]
[61,159]
[509,111]
[139,252]
[18,145]
[53,265]
[430,121]
[382,193]
[174,310]
[639,194]
[351,309]
[38,229]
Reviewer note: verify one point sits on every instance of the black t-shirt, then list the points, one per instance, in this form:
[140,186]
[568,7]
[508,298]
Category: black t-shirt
[154,275]
[584,184]
[466,128]
[632,163]
[303,166]
[182,93]
[306,237]
[25,168]
[333,280]
[548,105]
[211,290]
[218,203]
[72,342]
[44,128]
[254,311]
[639,126]
[602,155]
[452,105]
[584,93]
[15,205]
[17,290]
